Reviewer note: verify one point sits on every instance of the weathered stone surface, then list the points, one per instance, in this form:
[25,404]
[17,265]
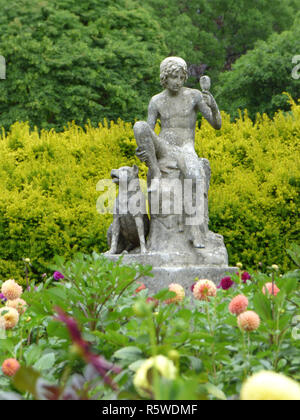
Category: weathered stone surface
[175,268]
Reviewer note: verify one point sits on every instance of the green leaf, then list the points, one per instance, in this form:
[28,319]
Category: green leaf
[164,294]
[25,380]
[129,354]
[45,362]
[136,365]
[215,392]
[196,363]
[290,285]
[56,329]
[33,354]
[262,306]
[281,364]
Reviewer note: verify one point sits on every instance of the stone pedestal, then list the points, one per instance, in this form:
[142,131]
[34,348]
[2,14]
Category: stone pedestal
[178,267]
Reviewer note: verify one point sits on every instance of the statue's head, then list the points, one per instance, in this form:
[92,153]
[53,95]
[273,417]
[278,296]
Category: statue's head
[172,66]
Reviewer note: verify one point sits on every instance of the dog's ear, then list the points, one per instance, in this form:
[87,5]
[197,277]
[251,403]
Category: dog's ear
[135,170]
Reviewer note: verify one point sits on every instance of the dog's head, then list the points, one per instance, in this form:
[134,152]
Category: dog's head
[124,174]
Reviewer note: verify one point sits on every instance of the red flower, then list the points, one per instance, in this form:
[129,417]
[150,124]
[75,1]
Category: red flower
[141,287]
[245,276]
[100,364]
[155,302]
[192,287]
[226,283]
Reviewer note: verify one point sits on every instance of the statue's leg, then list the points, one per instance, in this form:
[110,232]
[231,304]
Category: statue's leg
[147,142]
[194,200]
[207,173]
[115,233]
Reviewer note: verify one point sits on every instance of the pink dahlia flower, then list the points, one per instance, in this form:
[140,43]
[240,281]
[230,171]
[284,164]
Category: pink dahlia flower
[10,367]
[204,289]
[272,289]
[238,305]
[248,321]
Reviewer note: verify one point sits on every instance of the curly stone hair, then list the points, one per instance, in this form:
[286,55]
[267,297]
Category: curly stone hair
[171,65]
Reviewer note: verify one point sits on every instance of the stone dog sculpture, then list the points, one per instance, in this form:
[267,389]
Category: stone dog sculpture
[130,225]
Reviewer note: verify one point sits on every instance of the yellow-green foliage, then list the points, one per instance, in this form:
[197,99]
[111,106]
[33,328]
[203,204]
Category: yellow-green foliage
[48,188]
[254,195]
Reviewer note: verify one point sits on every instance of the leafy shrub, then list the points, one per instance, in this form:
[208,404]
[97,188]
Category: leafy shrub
[48,197]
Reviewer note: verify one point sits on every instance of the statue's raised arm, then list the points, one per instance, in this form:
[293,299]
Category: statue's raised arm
[207,105]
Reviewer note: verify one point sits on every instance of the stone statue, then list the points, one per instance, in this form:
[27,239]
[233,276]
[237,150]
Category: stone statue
[179,246]
[172,152]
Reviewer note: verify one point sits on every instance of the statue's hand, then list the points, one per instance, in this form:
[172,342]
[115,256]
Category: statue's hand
[141,154]
[207,98]
[210,101]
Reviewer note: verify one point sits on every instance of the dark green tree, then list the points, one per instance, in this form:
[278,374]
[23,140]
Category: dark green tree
[217,32]
[260,77]
[70,60]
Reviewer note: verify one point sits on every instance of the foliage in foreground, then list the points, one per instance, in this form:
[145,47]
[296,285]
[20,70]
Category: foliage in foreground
[203,353]
[48,181]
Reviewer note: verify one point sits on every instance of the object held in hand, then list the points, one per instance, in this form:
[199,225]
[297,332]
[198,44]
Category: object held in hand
[205,83]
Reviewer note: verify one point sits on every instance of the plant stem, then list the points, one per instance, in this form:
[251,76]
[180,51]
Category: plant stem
[211,331]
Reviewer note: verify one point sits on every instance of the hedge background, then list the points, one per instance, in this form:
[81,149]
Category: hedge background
[48,181]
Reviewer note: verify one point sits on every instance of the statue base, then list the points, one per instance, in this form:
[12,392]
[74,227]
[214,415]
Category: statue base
[177,267]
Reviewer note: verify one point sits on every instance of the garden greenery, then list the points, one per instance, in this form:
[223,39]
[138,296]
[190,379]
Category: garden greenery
[117,331]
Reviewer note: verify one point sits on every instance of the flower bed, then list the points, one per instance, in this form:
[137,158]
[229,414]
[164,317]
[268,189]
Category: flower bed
[92,331]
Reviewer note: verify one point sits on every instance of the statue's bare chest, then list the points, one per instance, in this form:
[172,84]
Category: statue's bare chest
[181,107]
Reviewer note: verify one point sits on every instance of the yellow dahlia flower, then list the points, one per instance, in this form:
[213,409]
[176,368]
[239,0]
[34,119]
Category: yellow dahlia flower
[270,386]
[143,379]
[11,289]
[9,317]
[179,290]
[19,304]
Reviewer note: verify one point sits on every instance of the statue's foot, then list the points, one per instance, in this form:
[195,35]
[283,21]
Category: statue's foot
[198,244]
[155,173]
[110,252]
[155,184]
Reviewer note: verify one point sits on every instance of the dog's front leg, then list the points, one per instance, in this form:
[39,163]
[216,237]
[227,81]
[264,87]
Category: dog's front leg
[115,235]
[139,221]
